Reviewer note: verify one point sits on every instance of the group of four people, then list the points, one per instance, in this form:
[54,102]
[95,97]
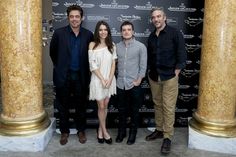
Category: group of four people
[75,52]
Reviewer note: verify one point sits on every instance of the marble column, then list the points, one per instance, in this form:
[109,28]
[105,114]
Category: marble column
[216,111]
[21,68]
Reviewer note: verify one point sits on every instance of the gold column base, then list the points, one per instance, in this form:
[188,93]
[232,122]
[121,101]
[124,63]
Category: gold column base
[24,128]
[213,129]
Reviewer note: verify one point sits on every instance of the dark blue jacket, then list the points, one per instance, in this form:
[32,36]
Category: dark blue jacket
[60,53]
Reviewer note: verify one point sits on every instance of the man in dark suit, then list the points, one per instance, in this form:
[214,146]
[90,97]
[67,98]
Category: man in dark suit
[69,54]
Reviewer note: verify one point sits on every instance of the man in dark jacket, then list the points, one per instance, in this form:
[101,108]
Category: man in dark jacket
[69,54]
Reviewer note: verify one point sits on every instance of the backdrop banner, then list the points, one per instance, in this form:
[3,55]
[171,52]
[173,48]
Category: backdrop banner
[186,15]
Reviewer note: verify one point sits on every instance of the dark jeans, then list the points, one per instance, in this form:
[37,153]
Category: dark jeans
[64,94]
[134,98]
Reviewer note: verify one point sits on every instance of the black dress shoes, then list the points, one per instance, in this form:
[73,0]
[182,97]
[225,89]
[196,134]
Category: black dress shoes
[156,134]
[132,136]
[131,139]
[166,146]
[120,137]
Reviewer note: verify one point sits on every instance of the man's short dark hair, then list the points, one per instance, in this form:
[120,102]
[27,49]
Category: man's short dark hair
[126,23]
[75,7]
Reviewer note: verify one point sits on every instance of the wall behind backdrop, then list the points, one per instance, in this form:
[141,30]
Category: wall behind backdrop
[186,15]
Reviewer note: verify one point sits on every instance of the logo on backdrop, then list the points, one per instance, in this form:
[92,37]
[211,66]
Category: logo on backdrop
[147,97]
[147,6]
[112,109]
[187,36]
[189,73]
[146,33]
[192,47]
[179,110]
[187,97]
[172,21]
[192,22]
[113,5]
[54,4]
[184,86]
[59,17]
[182,8]
[196,86]
[189,62]
[80,3]
[145,84]
[95,18]
[131,18]
[198,62]
[114,32]
[143,108]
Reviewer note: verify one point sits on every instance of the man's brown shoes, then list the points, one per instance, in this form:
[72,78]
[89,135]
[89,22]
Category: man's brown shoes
[82,137]
[64,138]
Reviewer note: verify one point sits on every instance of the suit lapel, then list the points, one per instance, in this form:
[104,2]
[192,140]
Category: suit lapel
[67,39]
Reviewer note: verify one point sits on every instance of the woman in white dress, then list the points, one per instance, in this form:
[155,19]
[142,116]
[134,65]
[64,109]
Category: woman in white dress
[102,55]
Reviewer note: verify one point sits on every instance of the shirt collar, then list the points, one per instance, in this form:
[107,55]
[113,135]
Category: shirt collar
[131,41]
[165,29]
[71,31]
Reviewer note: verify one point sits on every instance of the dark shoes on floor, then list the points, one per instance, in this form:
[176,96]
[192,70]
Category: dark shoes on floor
[155,135]
[100,140]
[166,146]
[64,138]
[108,141]
[120,136]
[132,136]
[131,139]
[82,137]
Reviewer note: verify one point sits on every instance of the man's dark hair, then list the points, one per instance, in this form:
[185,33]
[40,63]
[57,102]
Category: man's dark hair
[75,7]
[126,23]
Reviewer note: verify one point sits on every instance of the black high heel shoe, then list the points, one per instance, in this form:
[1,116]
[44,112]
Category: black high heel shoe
[100,140]
[108,141]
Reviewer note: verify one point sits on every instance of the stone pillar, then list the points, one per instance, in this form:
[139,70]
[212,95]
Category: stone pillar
[215,115]
[21,68]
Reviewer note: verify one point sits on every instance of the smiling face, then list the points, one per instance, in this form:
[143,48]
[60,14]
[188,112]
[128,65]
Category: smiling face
[127,32]
[103,32]
[75,19]
[158,19]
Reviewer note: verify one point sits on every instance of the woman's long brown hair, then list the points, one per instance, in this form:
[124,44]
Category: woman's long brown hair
[108,39]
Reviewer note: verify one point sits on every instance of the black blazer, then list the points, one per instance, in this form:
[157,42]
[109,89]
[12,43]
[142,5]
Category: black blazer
[60,54]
